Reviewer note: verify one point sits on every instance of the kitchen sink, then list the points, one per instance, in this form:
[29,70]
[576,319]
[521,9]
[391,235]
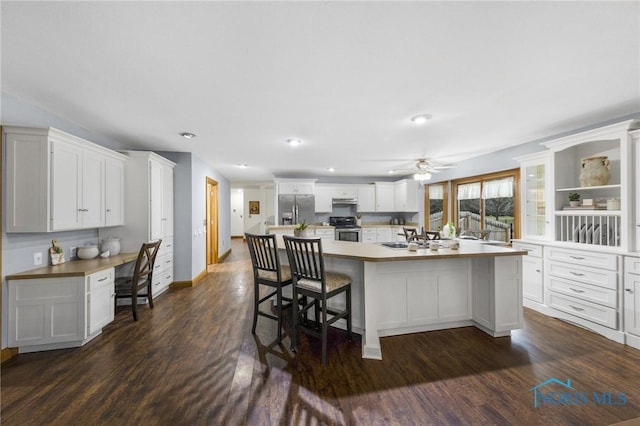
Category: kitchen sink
[395,244]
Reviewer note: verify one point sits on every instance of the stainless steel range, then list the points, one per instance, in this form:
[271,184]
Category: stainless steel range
[346,228]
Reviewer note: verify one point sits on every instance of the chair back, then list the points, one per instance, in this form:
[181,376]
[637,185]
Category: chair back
[411,234]
[143,272]
[431,235]
[263,250]
[306,261]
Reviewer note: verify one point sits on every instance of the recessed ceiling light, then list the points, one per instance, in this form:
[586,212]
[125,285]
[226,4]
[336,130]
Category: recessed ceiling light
[421,119]
[331,169]
[188,135]
[294,142]
[242,166]
[391,171]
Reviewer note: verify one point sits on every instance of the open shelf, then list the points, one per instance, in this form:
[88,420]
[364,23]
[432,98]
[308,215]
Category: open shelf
[588,188]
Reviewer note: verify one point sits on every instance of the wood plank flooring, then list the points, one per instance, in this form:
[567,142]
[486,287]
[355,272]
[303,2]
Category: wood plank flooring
[193,360]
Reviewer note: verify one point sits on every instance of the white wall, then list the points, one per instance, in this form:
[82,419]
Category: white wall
[237,212]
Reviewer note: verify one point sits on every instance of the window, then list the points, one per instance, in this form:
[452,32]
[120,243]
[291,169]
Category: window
[487,206]
[435,206]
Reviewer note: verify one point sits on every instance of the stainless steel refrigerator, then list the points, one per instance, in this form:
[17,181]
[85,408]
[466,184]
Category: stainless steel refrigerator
[295,209]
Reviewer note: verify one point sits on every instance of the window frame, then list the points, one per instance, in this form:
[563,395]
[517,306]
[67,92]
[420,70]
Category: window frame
[514,173]
[445,203]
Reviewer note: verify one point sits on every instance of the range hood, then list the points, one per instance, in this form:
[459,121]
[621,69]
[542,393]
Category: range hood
[344,201]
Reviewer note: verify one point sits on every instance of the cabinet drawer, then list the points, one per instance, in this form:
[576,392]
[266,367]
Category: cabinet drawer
[101,278]
[166,246]
[632,265]
[579,257]
[373,231]
[534,250]
[583,309]
[602,296]
[582,274]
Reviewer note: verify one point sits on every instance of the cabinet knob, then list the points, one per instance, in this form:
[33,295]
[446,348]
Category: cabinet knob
[628,290]
[537,270]
[108,210]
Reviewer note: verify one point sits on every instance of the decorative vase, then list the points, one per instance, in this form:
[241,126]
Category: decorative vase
[57,258]
[574,203]
[300,233]
[448,231]
[112,245]
[595,171]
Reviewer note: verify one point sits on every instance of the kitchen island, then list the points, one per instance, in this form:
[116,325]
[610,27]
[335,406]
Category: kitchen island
[395,291]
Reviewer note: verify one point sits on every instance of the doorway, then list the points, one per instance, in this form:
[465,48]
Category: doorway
[212,221]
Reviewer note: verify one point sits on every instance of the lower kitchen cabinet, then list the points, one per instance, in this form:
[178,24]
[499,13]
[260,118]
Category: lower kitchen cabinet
[60,312]
[369,235]
[325,234]
[532,277]
[632,301]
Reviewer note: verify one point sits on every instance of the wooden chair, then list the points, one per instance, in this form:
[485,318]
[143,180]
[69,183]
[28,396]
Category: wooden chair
[267,271]
[431,235]
[312,281]
[411,234]
[130,287]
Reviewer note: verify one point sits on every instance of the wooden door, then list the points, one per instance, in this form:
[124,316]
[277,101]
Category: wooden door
[212,221]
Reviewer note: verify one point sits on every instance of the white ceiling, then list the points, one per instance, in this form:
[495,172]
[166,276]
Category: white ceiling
[343,76]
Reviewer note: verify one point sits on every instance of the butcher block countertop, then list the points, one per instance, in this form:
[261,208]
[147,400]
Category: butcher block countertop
[374,252]
[75,268]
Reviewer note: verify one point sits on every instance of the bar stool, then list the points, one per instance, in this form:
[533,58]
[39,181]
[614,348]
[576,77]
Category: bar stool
[311,280]
[267,271]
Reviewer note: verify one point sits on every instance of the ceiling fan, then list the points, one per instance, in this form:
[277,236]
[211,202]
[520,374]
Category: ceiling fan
[423,169]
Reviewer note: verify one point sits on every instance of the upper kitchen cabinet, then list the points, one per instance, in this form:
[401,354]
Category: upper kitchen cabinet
[59,182]
[405,195]
[635,136]
[295,186]
[385,197]
[328,194]
[536,181]
[366,198]
[596,165]
[148,201]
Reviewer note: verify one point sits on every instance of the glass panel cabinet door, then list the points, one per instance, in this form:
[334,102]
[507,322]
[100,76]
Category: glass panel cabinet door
[536,206]
[536,195]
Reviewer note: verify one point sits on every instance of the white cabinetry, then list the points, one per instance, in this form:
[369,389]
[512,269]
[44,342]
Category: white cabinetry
[58,182]
[384,235]
[61,312]
[532,276]
[385,197]
[635,136]
[632,301]
[100,295]
[496,281]
[419,296]
[114,192]
[582,287]
[148,211]
[600,225]
[536,182]
[369,235]
[324,195]
[325,234]
[366,198]
[406,195]
[295,187]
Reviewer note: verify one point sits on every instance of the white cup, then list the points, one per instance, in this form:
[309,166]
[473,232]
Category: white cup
[412,246]
[434,245]
[454,245]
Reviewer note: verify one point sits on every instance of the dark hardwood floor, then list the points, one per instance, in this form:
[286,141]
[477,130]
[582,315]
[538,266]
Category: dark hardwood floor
[193,360]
